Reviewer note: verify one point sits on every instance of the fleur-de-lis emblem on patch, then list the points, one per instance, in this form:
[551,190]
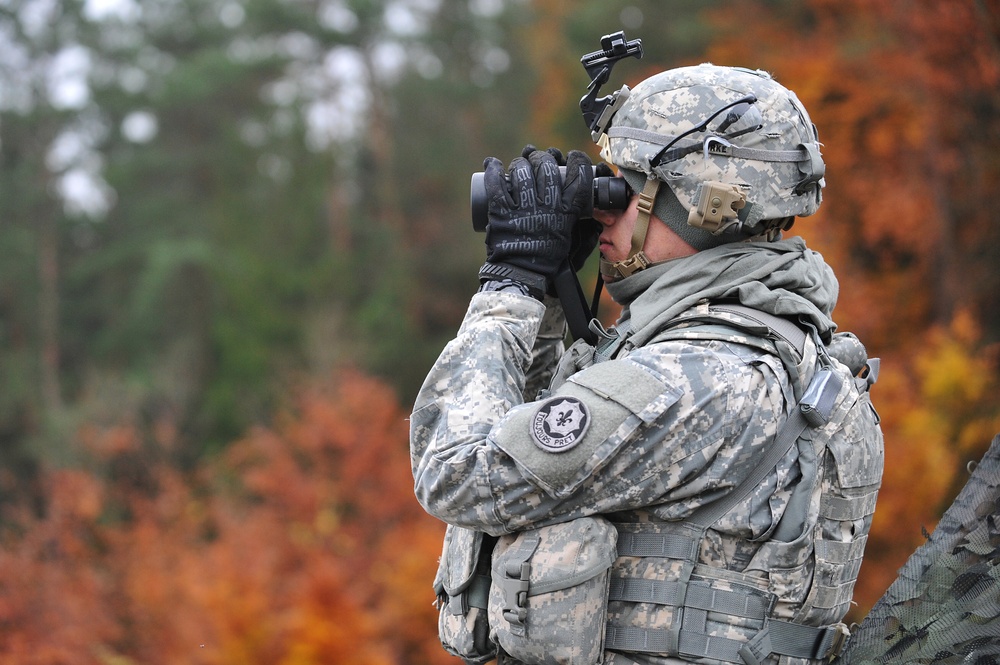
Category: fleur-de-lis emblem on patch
[560,424]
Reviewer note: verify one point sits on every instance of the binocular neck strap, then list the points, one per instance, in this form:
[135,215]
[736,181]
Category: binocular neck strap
[636,260]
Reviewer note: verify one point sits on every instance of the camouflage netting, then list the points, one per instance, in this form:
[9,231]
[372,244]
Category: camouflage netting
[944,607]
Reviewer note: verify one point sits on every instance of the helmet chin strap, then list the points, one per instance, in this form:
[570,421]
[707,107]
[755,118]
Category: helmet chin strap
[637,259]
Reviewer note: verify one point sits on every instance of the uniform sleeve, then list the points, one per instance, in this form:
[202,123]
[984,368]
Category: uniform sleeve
[547,349]
[664,427]
[477,378]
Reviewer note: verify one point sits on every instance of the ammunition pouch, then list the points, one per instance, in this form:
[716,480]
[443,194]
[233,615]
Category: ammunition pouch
[462,586]
[549,599]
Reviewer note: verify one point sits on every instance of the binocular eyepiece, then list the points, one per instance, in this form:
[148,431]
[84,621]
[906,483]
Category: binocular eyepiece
[610,193]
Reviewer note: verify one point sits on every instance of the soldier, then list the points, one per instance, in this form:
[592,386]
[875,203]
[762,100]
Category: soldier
[699,485]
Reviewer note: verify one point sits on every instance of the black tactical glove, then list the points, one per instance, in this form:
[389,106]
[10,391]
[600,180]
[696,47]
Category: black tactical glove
[532,215]
[587,229]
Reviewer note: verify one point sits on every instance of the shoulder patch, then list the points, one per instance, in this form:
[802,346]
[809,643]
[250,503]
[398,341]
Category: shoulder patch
[560,424]
[559,442]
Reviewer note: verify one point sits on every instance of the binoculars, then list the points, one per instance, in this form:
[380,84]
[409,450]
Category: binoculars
[610,193]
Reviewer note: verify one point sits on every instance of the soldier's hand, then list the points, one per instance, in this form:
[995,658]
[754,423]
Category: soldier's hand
[533,212]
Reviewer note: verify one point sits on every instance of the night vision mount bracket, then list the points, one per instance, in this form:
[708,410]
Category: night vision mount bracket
[596,111]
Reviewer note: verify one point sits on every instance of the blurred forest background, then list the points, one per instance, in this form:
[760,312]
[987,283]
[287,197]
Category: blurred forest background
[234,234]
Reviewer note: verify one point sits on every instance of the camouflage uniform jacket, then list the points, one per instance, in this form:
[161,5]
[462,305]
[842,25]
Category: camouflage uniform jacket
[650,435]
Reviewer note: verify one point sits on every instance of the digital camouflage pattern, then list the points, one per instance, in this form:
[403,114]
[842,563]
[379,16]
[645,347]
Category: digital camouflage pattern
[462,586]
[549,593]
[676,422]
[770,149]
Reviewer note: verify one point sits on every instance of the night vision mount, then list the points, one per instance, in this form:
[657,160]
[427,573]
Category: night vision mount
[597,112]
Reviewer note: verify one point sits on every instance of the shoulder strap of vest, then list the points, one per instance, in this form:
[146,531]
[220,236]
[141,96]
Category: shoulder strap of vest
[733,315]
[777,327]
[784,338]
[709,514]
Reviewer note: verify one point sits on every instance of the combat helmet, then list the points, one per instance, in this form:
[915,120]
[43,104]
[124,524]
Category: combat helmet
[738,152]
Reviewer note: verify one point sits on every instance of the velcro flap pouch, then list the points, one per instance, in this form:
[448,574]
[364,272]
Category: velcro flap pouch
[462,586]
[549,598]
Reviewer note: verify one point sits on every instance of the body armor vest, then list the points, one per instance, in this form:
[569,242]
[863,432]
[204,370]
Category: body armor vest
[788,592]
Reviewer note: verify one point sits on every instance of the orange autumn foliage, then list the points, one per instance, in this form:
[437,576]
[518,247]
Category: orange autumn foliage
[301,545]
